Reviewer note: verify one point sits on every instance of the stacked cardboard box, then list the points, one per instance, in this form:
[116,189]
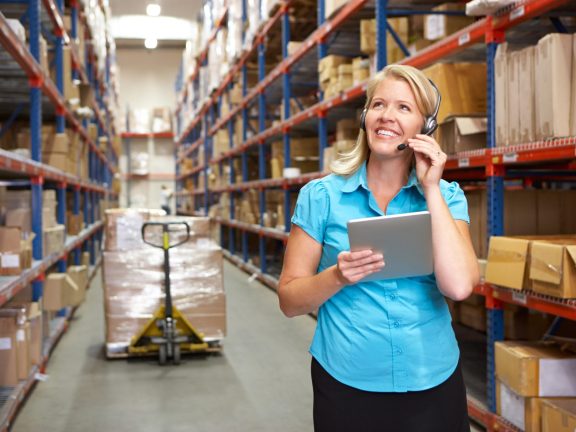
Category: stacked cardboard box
[558,415]
[61,291]
[440,26]
[534,91]
[462,133]
[14,253]
[393,51]
[360,70]
[14,347]
[133,279]
[57,152]
[330,72]
[544,212]
[527,372]
[462,86]
[303,155]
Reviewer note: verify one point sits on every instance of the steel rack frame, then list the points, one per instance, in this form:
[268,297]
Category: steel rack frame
[102,166]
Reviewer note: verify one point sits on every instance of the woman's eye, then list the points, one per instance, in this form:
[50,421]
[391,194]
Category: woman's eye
[404,107]
[377,105]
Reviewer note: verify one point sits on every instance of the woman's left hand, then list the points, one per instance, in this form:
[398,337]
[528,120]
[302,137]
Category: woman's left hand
[430,159]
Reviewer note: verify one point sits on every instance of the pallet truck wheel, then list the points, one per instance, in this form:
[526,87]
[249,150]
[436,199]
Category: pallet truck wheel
[177,354]
[162,354]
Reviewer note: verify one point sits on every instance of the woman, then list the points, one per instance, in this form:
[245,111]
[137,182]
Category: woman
[385,357]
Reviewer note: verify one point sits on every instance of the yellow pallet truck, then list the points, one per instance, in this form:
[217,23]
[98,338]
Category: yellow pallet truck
[168,332]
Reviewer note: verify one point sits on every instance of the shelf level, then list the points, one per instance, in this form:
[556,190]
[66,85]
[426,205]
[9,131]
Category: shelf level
[11,285]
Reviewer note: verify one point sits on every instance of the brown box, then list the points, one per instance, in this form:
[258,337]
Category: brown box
[473,316]
[21,217]
[10,251]
[8,352]
[558,415]
[56,160]
[60,291]
[463,88]
[79,274]
[53,240]
[86,95]
[85,259]
[75,223]
[525,324]
[553,268]
[439,26]
[59,144]
[522,412]
[463,133]
[333,6]
[553,85]
[535,370]
[507,264]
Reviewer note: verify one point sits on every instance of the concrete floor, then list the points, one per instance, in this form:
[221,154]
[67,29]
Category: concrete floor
[260,382]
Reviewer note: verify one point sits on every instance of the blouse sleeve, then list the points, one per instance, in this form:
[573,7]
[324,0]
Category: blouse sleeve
[456,201]
[312,208]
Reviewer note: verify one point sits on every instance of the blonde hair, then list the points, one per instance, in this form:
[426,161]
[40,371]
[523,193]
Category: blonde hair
[348,163]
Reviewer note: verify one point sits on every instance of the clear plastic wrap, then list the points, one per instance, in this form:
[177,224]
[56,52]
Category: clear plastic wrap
[134,280]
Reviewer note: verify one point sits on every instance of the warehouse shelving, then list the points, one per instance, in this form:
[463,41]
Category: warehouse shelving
[16,170]
[491,164]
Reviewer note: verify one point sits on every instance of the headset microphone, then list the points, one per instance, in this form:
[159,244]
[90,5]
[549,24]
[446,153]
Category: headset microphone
[402,146]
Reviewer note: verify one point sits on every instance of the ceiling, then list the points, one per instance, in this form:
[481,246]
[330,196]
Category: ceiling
[182,9]
[187,9]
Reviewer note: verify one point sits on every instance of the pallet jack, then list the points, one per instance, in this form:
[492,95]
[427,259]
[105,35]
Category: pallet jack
[168,332]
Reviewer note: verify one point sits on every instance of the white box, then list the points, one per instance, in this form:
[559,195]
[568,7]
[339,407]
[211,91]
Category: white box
[514,102]
[526,94]
[501,90]
[553,86]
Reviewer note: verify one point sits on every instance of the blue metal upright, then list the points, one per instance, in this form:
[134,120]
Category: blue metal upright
[75,212]
[208,120]
[36,141]
[74,28]
[286,96]
[244,156]
[262,151]
[495,225]
[231,231]
[381,28]
[59,55]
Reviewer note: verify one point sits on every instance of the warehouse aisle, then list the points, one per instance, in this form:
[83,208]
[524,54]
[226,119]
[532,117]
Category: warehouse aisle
[259,383]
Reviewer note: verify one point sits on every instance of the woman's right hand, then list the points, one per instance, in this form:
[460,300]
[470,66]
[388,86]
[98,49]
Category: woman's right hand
[354,266]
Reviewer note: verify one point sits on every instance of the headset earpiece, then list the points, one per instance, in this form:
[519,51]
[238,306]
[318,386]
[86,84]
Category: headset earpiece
[431,122]
[363,120]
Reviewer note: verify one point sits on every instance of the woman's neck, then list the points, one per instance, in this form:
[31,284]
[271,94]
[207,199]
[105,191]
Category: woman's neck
[386,175]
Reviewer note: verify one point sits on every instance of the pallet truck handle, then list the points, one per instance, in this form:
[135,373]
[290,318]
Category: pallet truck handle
[165,243]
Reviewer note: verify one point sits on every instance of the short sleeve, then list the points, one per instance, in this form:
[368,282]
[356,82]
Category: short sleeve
[312,208]
[456,201]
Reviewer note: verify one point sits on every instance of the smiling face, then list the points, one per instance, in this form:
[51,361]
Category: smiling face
[392,116]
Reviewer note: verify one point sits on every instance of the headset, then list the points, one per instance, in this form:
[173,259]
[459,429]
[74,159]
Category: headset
[430,122]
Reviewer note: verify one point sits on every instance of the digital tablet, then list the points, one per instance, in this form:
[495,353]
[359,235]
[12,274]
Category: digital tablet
[405,240]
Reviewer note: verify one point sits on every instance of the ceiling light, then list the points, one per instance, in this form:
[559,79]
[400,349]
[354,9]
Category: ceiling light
[151,43]
[153,9]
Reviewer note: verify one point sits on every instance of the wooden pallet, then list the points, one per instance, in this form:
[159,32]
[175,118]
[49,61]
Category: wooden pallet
[212,349]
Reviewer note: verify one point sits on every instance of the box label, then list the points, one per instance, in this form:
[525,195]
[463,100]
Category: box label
[128,228]
[21,335]
[517,13]
[510,157]
[464,39]
[520,298]
[10,261]
[463,162]
[5,344]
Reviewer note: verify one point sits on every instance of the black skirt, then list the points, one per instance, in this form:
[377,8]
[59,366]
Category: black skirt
[341,408]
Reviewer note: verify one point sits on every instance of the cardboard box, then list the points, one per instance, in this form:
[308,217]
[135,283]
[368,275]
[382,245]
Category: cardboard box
[535,370]
[10,250]
[507,264]
[553,268]
[525,324]
[21,218]
[56,160]
[522,412]
[85,261]
[477,212]
[333,6]
[79,274]
[558,415]
[527,91]
[59,144]
[473,316]
[439,26]
[460,133]
[8,353]
[60,291]
[53,240]
[463,88]
[514,98]
[553,85]
[75,223]
[501,90]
